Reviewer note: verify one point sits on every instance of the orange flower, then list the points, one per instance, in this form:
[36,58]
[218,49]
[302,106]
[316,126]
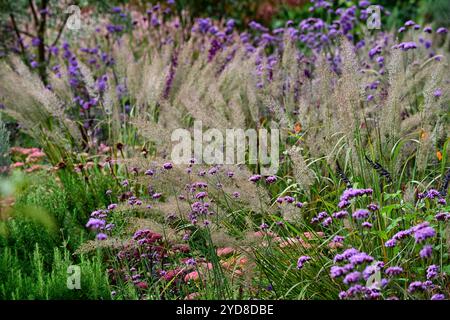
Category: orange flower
[297,127]
[423,134]
[439,155]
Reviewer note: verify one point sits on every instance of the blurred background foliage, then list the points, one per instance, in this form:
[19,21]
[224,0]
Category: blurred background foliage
[270,12]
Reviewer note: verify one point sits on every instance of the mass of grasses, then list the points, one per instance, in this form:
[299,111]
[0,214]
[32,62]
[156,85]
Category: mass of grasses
[357,209]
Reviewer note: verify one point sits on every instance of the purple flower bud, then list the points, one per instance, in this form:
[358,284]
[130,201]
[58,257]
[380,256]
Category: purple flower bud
[255,178]
[201,195]
[271,179]
[437,93]
[167,166]
[35,42]
[366,224]
[361,214]
[301,261]
[264,226]
[101,236]
[432,271]
[112,206]
[393,271]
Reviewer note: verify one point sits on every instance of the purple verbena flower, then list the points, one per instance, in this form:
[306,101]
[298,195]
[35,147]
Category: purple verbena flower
[201,195]
[337,271]
[426,252]
[191,262]
[424,233]
[327,221]
[167,166]
[352,277]
[393,271]
[414,286]
[264,226]
[255,178]
[361,214]
[366,224]
[271,179]
[301,261]
[390,243]
[112,206]
[405,46]
[432,271]
[360,258]
[101,236]
[95,224]
[340,214]
[442,216]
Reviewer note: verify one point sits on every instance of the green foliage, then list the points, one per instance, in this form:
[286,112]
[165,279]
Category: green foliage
[436,11]
[85,193]
[49,213]
[50,282]
[67,203]
[23,234]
